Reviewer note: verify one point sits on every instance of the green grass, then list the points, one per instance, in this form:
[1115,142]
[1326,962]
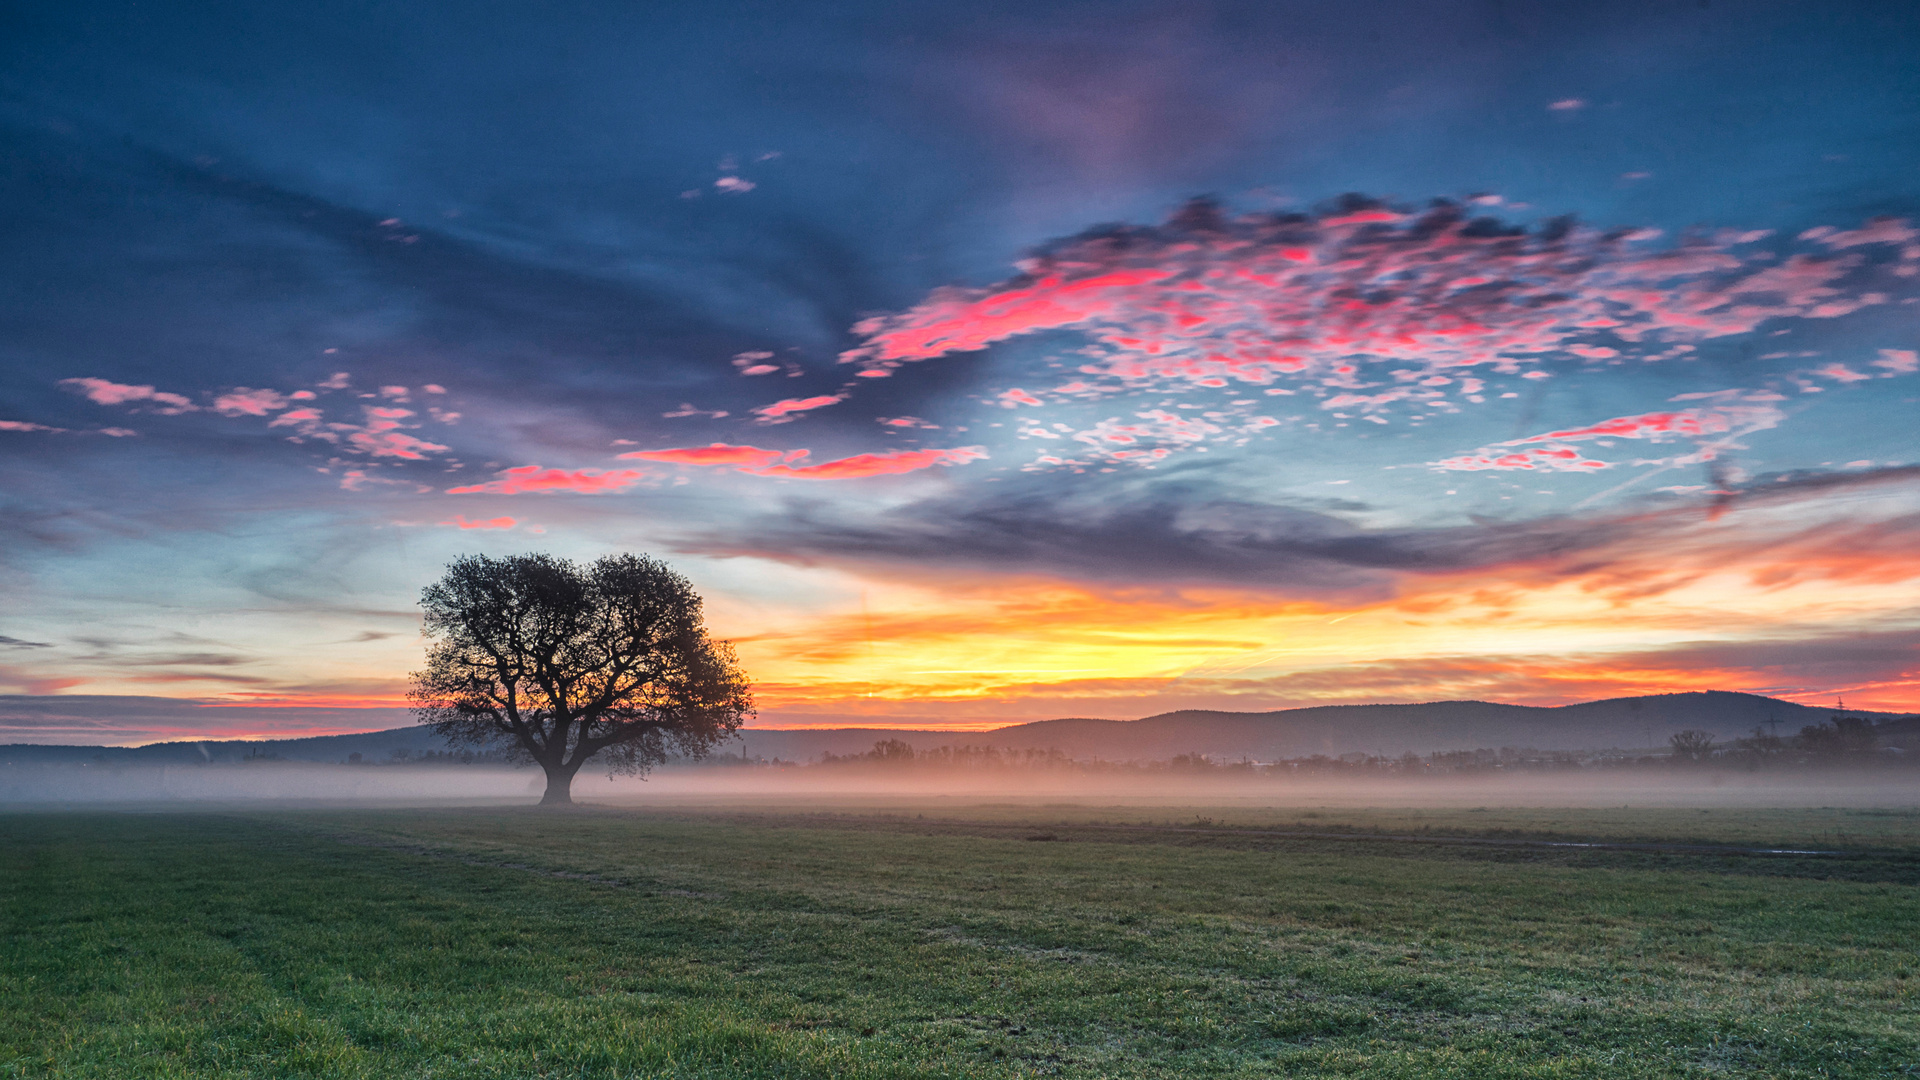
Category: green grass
[902,941]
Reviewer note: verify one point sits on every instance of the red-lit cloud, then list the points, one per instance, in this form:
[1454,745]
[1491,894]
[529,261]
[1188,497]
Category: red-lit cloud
[1541,458]
[889,464]
[759,462]
[743,458]
[243,401]
[1208,300]
[782,411]
[459,521]
[534,479]
[102,392]
[1698,424]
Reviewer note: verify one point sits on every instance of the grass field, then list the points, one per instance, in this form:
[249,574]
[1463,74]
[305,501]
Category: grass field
[954,939]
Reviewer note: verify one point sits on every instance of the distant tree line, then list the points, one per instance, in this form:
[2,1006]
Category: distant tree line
[461,756]
[1837,739]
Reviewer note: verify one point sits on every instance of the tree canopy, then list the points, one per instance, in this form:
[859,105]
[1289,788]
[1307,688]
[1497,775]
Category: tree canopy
[561,662]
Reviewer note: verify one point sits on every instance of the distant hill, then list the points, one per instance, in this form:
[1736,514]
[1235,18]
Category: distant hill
[1389,730]
[370,745]
[1342,729]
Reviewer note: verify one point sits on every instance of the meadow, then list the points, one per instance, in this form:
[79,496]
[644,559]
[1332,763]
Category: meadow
[902,937]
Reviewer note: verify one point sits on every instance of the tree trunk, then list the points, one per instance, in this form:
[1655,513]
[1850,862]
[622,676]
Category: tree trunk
[559,787]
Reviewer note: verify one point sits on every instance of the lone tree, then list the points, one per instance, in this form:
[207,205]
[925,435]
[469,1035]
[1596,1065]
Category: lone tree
[1691,745]
[561,662]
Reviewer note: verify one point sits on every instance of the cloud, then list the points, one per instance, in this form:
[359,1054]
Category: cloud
[734,185]
[888,464]
[1661,426]
[103,392]
[1898,362]
[534,479]
[242,401]
[1173,530]
[1544,459]
[1697,424]
[786,463]
[381,437]
[755,363]
[688,410]
[22,425]
[782,411]
[1840,373]
[307,420]
[1208,300]
[1565,105]
[459,521]
[1168,531]
[16,643]
[743,458]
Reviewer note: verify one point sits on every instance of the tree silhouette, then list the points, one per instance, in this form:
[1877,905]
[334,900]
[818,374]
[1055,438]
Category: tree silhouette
[1692,744]
[1839,736]
[562,662]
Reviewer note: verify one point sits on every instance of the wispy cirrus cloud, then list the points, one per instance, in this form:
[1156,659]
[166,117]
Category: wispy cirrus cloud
[1711,428]
[784,410]
[532,479]
[790,463]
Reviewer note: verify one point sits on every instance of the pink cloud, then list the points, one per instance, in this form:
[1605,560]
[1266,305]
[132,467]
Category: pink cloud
[1884,230]
[755,363]
[1207,300]
[393,444]
[1654,425]
[1700,425]
[783,410]
[1841,373]
[1017,396]
[534,479]
[242,401]
[859,465]
[22,425]
[1898,362]
[381,435]
[744,458]
[1541,458]
[459,521]
[785,463]
[103,392]
[688,410]
[301,418]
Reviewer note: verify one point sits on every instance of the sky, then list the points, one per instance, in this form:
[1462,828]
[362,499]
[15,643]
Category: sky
[978,363]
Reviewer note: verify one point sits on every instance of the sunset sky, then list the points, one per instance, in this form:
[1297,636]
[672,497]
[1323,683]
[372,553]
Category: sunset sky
[978,363]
